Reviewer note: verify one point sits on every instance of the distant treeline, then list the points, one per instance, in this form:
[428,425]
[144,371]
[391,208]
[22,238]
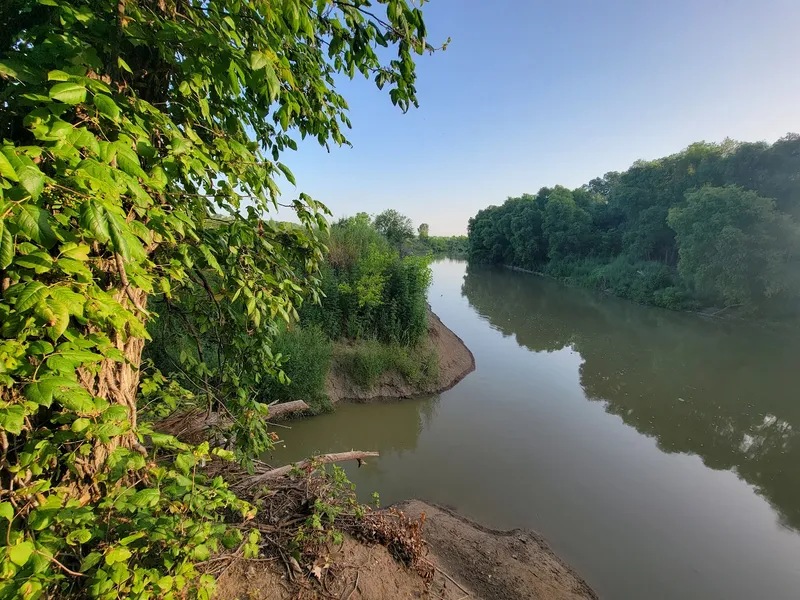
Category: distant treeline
[439,246]
[712,226]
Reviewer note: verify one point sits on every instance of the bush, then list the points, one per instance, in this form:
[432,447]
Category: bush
[370,292]
[306,352]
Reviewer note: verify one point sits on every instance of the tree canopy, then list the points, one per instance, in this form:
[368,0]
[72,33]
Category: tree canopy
[714,225]
[395,227]
[128,128]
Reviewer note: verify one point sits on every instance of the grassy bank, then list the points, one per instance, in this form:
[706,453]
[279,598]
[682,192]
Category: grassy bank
[367,361]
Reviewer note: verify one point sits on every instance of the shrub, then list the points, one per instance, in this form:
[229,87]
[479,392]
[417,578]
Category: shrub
[370,292]
[306,354]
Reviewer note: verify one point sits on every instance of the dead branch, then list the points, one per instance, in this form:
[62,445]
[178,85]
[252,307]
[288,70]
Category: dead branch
[304,464]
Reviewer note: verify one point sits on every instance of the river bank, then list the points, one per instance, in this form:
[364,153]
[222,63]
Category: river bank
[465,561]
[455,361]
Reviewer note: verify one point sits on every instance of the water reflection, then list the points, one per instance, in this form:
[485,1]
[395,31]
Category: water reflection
[393,427]
[726,392]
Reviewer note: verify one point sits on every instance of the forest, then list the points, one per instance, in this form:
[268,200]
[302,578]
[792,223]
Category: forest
[713,227]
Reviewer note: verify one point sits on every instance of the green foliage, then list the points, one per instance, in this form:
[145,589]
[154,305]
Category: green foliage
[306,353]
[369,291]
[396,228]
[734,245]
[439,246]
[365,361]
[689,230]
[127,127]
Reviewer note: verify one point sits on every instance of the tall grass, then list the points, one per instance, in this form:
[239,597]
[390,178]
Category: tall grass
[366,361]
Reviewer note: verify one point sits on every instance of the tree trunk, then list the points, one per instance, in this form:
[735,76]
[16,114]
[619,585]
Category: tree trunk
[118,382]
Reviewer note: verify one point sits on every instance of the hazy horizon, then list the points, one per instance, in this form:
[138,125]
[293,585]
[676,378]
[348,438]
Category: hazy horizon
[531,95]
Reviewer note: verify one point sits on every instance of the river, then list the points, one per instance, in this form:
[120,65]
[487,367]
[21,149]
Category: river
[657,452]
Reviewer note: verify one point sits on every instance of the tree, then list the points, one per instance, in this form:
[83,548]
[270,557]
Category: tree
[129,126]
[734,245]
[566,225]
[395,227]
[423,230]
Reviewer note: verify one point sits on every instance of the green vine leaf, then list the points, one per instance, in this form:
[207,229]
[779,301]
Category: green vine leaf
[20,553]
[6,246]
[32,293]
[68,93]
[106,106]
[34,223]
[32,179]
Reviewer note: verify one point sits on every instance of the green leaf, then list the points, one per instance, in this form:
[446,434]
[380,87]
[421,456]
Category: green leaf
[12,419]
[146,497]
[132,538]
[123,65]
[40,348]
[258,60]
[39,261]
[201,552]
[80,536]
[287,173]
[20,553]
[32,179]
[118,239]
[184,462]
[165,583]
[68,92]
[73,267]
[80,424]
[118,554]
[76,400]
[56,314]
[90,561]
[58,76]
[6,247]
[41,519]
[106,106]
[6,511]
[6,169]
[30,296]
[76,251]
[34,223]
[94,218]
[43,391]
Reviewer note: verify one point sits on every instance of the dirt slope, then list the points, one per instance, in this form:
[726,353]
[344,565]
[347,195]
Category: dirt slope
[495,565]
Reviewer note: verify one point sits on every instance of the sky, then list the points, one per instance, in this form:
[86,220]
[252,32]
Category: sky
[538,93]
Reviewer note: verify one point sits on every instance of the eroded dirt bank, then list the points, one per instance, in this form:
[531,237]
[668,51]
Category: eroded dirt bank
[493,565]
[469,562]
[455,362]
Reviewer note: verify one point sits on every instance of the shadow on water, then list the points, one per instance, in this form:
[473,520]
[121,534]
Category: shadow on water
[726,392]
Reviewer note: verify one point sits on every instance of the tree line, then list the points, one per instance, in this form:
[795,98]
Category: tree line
[712,226]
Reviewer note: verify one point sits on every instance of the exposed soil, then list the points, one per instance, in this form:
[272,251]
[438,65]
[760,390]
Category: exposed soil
[364,572]
[455,362]
[470,562]
[494,565]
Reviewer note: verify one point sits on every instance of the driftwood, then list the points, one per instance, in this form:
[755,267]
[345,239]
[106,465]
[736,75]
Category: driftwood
[281,410]
[303,464]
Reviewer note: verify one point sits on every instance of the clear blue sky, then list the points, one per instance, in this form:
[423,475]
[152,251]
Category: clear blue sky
[534,93]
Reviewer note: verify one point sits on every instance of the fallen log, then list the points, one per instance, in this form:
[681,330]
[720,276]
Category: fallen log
[303,464]
[280,410]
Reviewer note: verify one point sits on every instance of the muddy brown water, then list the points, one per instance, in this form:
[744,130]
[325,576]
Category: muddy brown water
[657,452]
